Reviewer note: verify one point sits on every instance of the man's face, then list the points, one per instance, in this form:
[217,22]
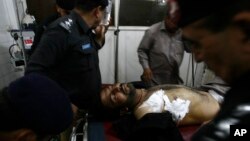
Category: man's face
[99,13]
[217,49]
[117,95]
[170,25]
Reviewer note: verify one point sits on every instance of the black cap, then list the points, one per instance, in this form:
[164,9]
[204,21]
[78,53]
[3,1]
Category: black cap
[103,3]
[66,4]
[193,10]
[37,103]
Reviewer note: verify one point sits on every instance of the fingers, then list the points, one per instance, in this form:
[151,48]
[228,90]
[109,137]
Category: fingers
[99,29]
[147,74]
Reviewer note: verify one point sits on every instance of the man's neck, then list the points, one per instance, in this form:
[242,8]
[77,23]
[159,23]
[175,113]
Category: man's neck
[139,97]
[85,16]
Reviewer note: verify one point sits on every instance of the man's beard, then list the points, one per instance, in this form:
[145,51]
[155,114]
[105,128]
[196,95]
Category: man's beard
[131,96]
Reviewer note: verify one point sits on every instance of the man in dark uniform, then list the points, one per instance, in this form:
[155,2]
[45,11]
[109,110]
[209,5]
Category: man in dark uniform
[63,7]
[68,52]
[218,33]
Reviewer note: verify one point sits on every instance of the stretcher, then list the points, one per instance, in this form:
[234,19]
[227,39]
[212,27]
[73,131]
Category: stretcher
[87,129]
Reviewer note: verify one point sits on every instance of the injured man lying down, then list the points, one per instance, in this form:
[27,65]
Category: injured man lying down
[186,105]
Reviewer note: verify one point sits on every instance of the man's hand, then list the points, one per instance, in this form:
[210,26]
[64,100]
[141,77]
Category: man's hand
[100,32]
[147,75]
[74,109]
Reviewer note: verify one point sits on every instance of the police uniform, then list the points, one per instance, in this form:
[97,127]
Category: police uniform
[39,31]
[68,54]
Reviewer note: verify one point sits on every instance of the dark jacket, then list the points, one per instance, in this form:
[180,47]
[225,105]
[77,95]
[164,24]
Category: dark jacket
[151,127]
[234,111]
[40,30]
[68,53]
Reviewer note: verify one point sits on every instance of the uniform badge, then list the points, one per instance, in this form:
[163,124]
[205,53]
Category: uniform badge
[67,24]
[86,46]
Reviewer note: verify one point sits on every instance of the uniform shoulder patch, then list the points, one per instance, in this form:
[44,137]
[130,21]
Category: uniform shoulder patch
[67,24]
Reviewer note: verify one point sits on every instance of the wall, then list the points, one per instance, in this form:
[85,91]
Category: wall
[8,21]
[107,58]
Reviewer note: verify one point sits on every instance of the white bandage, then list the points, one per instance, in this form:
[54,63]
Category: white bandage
[178,108]
[159,102]
[154,103]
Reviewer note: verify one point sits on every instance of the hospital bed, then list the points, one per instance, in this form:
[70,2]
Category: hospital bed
[102,131]
[87,129]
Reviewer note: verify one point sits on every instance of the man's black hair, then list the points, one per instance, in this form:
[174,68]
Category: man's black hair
[219,13]
[88,5]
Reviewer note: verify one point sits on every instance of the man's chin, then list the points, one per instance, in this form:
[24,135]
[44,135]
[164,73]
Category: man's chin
[131,95]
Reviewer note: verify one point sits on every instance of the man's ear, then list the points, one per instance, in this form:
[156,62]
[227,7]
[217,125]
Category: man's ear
[242,21]
[25,135]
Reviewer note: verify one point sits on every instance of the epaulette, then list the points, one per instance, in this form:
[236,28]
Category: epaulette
[66,24]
